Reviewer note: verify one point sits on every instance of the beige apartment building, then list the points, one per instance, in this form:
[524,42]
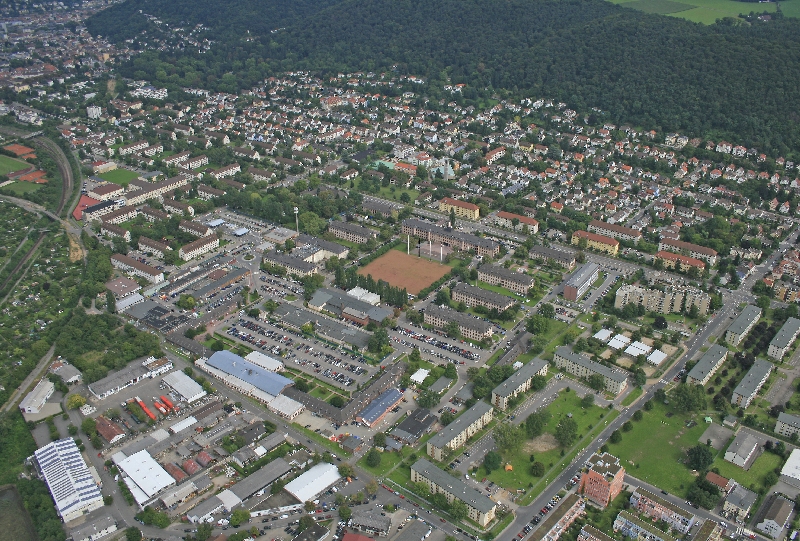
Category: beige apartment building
[672,300]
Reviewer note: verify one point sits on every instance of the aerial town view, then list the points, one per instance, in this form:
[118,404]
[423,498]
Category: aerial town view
[352,271]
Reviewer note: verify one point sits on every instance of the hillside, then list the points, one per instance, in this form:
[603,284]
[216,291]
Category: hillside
[726,80]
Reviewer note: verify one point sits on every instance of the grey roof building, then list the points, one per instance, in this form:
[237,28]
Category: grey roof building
[441,385]
[337,301]
[271,472]
[477,296]
[470,327]
[551,254]
[787,424]
[414,426]
[742,324]
[293,265]
[708,364]
[784,339]
[518,382]
[460,430]
[746,391]
[579,365]
[739,501]
[328,327]
[481,508]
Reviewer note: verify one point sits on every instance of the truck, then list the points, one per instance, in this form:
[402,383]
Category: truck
[167,402]
[145,409]
[160,407]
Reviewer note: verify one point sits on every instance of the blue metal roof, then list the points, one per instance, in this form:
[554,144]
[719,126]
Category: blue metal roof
[239,367]
[378,407]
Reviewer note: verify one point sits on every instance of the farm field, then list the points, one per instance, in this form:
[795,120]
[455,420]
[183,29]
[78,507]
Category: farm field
[119,176]
[9,164]
[706,11]
[405,271]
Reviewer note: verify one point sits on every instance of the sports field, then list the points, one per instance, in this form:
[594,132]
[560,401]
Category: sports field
[403,270]
[9,164]
[119,176]
[707,11]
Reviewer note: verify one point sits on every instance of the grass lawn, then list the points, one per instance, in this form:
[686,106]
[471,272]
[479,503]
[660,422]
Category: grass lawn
[9,164]
[386,193]
[388,461]
[333,446]
[20,188]
[633,395]
[501,290]
[520,477]
[290,298]
[661,7]
[119,176]
[505,324]
[655,449]
[752,477]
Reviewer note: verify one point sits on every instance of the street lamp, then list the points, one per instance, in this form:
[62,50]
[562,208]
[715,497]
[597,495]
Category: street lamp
[297,220]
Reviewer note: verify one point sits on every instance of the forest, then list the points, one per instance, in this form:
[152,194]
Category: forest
[729,80]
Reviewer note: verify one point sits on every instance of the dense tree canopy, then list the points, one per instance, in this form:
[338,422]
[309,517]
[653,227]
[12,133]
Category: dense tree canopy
[740,82]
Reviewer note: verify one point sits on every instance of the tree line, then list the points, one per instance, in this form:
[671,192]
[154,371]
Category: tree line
[349,278]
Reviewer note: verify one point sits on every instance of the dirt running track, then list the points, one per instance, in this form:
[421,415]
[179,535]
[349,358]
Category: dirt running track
[403,270]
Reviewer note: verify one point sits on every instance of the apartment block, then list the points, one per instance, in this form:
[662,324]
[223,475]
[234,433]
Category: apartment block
[580,282]
[578,365]
[564,259]
[460,430]
[590,533]
[136,268]
[351,232]
[739,502]
[560,519]
[787,425]
[660,509]
[614,231]
[476,296]
[687,248]
[199,247]
[673,299]
[603,482]
[601,243]
[632,526]
[292,265]
[707,366]
[469,327]
[747,389]
[462,209]
[479,507]
[148,245]
[506,219]
[451,237]
[680,262]
[784,339]
[517,383]
[195,228]
[497,275]
[743,324]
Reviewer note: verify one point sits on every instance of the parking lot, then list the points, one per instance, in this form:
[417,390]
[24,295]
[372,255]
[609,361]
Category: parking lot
[316,358]
[464,351]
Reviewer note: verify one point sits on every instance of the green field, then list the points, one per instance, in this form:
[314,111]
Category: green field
[707,11]
[119,176]
[520,477]
[655,449]
[14,520]
[9,164]
[754,476]
[20,188]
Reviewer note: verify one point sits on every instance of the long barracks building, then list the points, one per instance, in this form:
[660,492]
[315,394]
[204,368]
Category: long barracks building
[452,238]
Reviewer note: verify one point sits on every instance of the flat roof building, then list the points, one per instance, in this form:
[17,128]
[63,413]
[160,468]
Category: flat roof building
[145,477]
[576,364]
[603,482]
[462,428]
[68,478]
[35,400]
[345,306]
[742,324]
[790,473]
[264,361]
[95,530]
[188,389]
[708,365]
[784,339]
[245,376]
[130,375]
[479,508]
[580,281]
[746,391]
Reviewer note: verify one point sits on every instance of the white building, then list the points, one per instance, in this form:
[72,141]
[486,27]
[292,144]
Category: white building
[264,361]
[145,477]
[71,484]
[316,480]
[188,389]
[95,530]
[35,400]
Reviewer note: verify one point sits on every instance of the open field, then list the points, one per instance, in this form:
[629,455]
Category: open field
[403,270]
[14,520]
[545,448]
[9,164]
[20,188]
[119,176]
[754,477]
[655,449]
[707,11]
